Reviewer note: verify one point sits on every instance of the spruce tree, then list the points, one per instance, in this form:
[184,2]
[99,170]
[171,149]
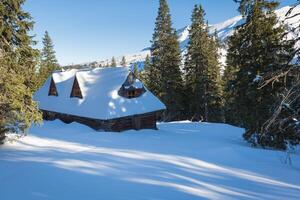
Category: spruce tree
[246,6]
[48,59]
[106,65]
[165,75]
[149,74]
[146,73]
[283,127]
[147,63]
[123,61]
[229,79]
[18,69]
[256,49]
[202,71]
[136,70]
[113,62]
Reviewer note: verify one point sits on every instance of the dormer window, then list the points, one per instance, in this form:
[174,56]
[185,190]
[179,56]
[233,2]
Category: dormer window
[132,87]
[131,94]
[76,92]
[52,89]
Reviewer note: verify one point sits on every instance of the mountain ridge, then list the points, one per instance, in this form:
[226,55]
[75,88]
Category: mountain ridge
[224,30]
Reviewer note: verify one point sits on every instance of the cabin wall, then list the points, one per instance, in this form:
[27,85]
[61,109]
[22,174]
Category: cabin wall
[137,122]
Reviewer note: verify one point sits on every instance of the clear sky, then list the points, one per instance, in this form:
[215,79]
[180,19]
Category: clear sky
[89,30]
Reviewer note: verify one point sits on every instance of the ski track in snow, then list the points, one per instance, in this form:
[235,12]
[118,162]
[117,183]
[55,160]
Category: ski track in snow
[181,160]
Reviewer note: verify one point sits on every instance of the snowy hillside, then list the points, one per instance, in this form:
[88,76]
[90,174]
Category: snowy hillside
[181,160]
[224,30]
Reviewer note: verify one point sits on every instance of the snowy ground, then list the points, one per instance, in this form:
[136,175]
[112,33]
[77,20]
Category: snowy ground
[179,161]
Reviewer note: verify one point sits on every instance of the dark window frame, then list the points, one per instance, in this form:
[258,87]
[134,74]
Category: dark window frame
[52,89]
[132,94]
[76,91]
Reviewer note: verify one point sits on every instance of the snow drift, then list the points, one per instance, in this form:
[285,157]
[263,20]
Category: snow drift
[181,160]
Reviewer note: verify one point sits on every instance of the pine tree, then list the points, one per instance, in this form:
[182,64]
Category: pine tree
[229,79]
[145,74]
[113,62]
[283,127]
[106,65]
[18,69]
[48,59]
[165,75]
[136,70]
[149,74]
[202,71]
[256,49]
[123,61]
[215,93]
[246,6]
[147,63]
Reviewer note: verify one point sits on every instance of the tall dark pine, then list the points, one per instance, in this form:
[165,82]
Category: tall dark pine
[202,71]
[246,6]
[145,74]
[136,70]
[284,124]
[113,62]
[147,63]
[149,75]
[123,62]
[18,69]
[256,49]
[48,59]
[166,81]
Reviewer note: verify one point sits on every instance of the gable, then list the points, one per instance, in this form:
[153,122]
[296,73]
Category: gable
[132,87]
[76,91]
[52,88]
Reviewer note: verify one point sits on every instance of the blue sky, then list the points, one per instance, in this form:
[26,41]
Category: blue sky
[89,30]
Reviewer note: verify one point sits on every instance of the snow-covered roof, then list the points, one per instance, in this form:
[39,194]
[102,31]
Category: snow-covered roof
[99,89]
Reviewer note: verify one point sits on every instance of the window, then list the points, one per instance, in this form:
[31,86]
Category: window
[131,94]
[52,89]
[131,88]
[76,92]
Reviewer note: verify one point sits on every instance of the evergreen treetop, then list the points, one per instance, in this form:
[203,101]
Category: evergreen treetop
[202,71]
[113,62]
[48,54]
[166,79]
[48,59]
[123,61]
[136,70]
[246,6]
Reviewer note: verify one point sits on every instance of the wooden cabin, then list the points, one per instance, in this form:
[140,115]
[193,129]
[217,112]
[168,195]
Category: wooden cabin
[108,99]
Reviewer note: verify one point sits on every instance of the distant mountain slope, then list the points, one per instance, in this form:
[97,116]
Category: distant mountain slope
[223,29]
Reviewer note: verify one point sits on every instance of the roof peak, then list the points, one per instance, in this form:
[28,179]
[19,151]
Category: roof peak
[92,69]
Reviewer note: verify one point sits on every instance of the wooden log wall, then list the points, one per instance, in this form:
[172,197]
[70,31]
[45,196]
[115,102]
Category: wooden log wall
[137,122]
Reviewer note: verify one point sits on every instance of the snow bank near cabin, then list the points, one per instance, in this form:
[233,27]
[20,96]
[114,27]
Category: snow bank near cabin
[181,160]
